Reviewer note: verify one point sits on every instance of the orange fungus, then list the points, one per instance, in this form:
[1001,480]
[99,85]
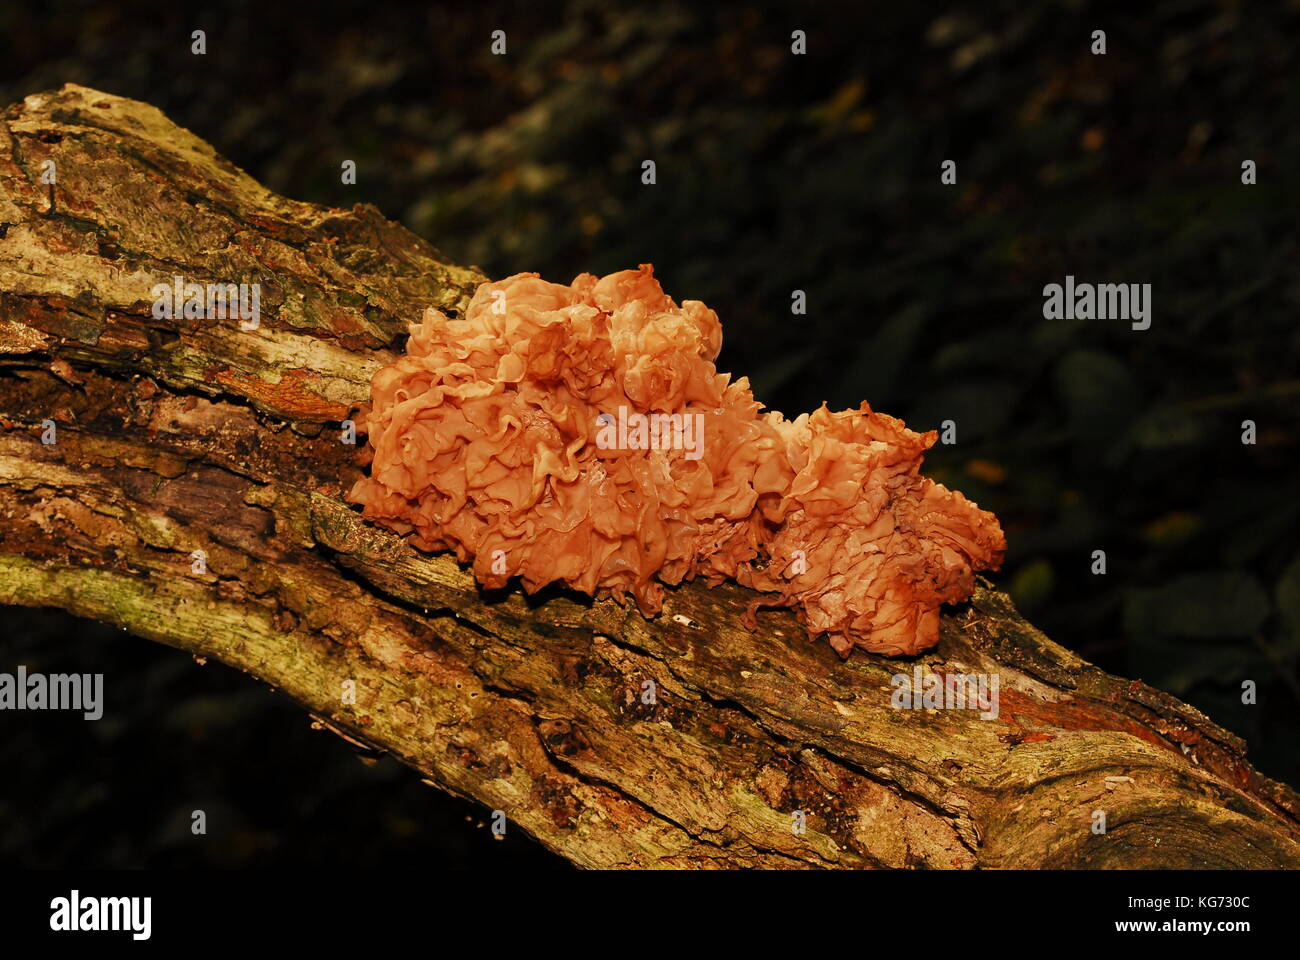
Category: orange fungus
[581,434]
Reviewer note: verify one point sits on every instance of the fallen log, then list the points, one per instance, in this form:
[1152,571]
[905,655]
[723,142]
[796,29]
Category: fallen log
[183,478]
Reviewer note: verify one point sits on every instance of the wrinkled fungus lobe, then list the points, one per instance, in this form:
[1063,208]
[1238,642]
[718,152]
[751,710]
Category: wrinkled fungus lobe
[511,438]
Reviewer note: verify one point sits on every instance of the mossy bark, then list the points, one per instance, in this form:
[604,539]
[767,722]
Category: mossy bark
[176,436]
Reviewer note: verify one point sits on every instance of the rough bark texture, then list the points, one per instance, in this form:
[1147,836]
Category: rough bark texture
[177,436]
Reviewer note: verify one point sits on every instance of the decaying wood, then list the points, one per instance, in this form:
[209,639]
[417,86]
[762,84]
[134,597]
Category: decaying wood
[195,435]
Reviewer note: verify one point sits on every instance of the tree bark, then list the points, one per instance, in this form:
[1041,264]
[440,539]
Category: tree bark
[176,436]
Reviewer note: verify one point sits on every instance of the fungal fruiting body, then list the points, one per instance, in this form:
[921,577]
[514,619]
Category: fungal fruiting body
[582,434]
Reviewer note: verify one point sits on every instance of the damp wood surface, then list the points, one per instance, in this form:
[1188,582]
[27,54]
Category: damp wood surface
[175,436]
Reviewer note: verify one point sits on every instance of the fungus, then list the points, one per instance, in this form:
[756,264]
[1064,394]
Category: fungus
[581,434]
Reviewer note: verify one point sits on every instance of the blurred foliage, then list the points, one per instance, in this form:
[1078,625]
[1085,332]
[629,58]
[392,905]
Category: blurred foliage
[821,173]
[120,792]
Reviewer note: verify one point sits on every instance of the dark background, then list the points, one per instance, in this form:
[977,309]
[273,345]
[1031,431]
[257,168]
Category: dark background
[775,172]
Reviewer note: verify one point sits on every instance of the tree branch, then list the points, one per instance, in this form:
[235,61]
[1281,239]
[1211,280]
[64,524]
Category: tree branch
[176,436]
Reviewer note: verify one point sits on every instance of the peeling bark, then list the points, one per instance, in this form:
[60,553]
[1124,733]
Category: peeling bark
[175,436]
